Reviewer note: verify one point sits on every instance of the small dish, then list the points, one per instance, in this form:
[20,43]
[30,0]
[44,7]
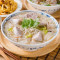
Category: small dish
[19,7]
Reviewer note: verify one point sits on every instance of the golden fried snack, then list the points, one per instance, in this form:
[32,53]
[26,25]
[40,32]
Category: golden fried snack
[14,6]
[7,6]
[0,2]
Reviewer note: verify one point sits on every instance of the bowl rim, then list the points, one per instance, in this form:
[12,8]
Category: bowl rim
[42,5]
[19,7]
[17,43]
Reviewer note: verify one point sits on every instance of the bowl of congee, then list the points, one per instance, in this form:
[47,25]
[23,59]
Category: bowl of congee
[48,6]
[30,30]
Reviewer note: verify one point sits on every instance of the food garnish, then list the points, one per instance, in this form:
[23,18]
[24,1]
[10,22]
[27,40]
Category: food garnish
[48,5]
[26,23]
[45,31]
[10,29]
[43,28]
[28,36]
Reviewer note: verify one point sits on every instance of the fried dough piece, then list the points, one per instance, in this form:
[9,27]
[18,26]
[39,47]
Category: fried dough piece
[7,6]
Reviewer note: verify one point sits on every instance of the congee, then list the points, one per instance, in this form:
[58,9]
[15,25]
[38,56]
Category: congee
[46,2]
[30,28]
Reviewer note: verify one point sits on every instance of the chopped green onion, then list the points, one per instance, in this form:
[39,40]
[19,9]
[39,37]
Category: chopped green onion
[29,36]
[30,0]
[26,23]
[45,31]
[48,5]
[58,3]
[43,28]
[10,29]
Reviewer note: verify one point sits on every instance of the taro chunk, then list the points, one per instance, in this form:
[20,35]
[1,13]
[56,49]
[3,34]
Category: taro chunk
[16,21]
[17,31]
[37,37]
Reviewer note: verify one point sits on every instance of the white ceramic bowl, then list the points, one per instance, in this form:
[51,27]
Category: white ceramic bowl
[19,7]
[47,9]
[30,47]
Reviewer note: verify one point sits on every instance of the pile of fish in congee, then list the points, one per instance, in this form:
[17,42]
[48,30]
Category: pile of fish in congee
[30,28]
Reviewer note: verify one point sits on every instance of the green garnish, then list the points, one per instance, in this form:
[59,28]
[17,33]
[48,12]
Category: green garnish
[28,36]
[26,23]
[48,5]
[58,3]
[43,28]
[10,29]
[45,31]
[30,0]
